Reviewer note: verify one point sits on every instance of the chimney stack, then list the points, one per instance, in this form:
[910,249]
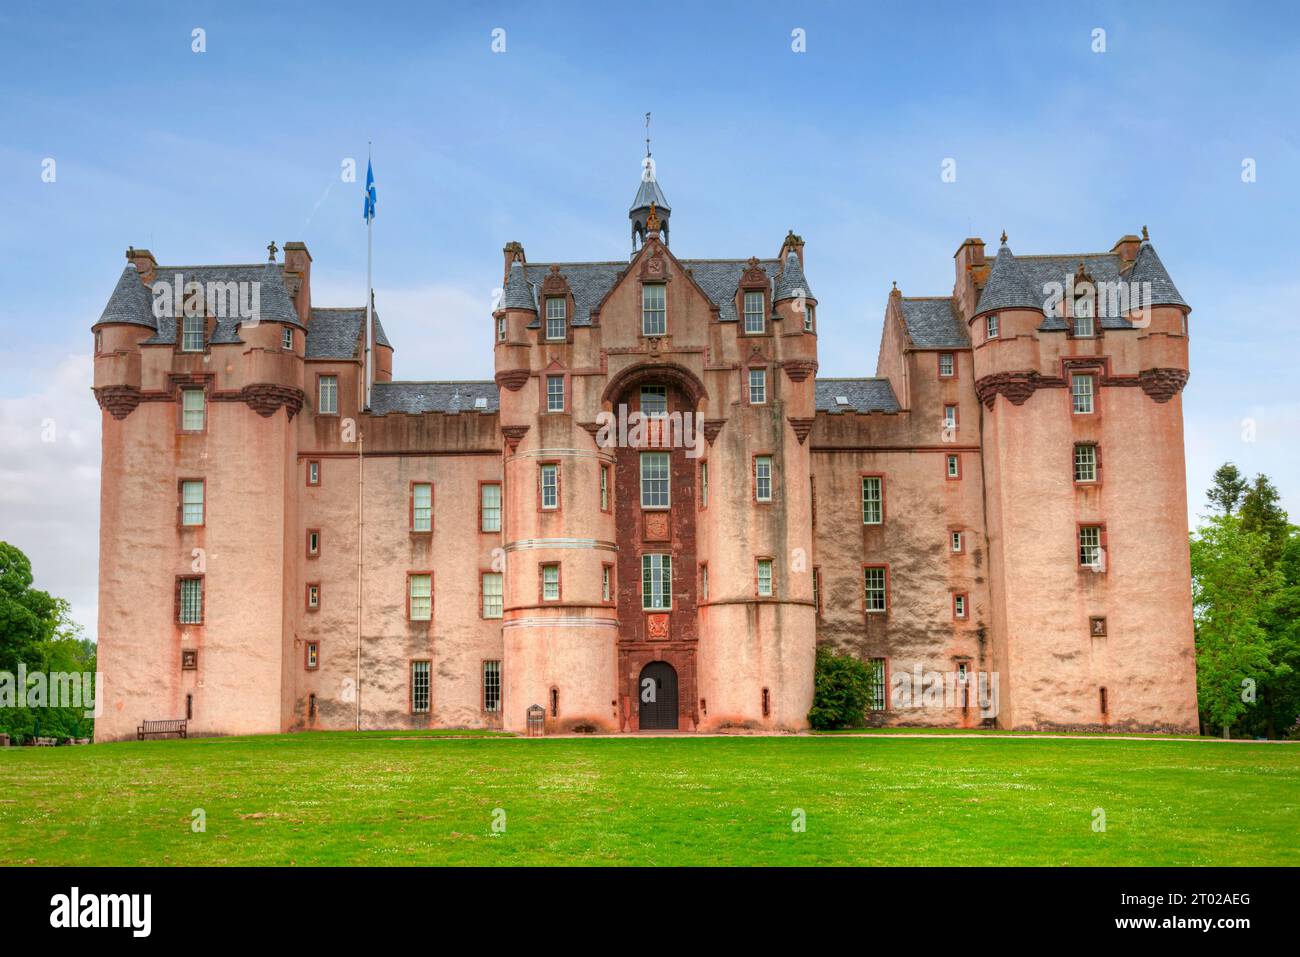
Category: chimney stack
[1127,247]
[297,278]
[513,250]
[792,244]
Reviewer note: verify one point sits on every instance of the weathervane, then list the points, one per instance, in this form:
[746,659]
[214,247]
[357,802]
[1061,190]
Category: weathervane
[647,136]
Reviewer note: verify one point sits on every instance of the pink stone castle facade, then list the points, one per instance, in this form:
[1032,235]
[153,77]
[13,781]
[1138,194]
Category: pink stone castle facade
[1003,503]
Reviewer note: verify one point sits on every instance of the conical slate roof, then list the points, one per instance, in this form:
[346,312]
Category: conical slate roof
[1008,287]
[130,301]
[518,294]
[1149,269]
[790,284]
[649,192]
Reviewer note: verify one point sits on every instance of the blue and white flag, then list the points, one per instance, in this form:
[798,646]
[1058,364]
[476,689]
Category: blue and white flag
[369,213]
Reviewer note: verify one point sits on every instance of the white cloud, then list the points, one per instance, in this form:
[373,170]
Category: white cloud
[49,484]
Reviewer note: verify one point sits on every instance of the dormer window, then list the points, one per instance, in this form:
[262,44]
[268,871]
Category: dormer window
[557,314]
[1084,326]
[754,318]
[192,334]
[654,315]
[991,326]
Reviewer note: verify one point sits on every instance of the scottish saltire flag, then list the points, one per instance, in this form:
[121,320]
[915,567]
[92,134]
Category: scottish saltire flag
[369,213]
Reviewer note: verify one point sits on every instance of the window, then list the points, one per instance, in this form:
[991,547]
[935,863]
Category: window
[654,400]
[1081,393]
[557,308]
[654,320]
[991,326]
[421,507]
[877,666]
[949,418]
[313,596]
[490,508]
[189,605]
[1085,463]
[419,606]
[606,583]
[1090,546]
[1103,700]
[492,686]
[754,313]
[420,687]
[313,542]
[873,500]
[763,478]
[286,339]
[555,702]
[817,590]
[193,409]
[189,707]
[765,578]
[604,488]
[555,393]
[874,584]
[704,582]
[551,582]
[189,659]
[807,317]
[654,480]
[704,485]
[1083,315]
[758,386]
[313,472]
[311,705]
[329,395]
[493,597]
[192,334]
[99,341]
[959,606]
[656,582]
[957,541]
[501,328]
[550,485]
[946,365]
[192,502]
[954,466]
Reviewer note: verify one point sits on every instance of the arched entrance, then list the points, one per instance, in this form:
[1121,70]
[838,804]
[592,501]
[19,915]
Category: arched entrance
[657,693]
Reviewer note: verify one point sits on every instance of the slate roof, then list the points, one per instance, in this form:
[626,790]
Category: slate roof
[132,300]
[1018,282]
[589,281]
[336,333]
[649,192]
[863,395]
[415,398]
[791,281]
[932,324]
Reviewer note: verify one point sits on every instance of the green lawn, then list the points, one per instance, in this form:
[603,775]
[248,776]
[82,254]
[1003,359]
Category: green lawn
[401,798]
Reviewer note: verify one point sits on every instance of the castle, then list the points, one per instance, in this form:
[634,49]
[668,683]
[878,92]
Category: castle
[656,512]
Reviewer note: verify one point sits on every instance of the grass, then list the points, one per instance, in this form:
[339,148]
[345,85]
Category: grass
[418,798]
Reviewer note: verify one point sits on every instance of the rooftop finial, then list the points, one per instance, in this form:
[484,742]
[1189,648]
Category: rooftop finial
[271,249]
[652,222]
[1145,237]
[1004,237]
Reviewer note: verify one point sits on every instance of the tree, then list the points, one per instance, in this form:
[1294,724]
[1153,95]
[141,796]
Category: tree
[842,689]
[1229,486]
[1261,513]
[28,616]
[1232,590]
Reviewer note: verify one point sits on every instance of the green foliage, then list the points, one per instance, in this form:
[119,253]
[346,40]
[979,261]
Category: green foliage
[1229,486]
[842,690]
[37,631]
[1261,513]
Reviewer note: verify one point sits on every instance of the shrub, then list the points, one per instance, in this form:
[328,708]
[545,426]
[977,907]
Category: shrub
[842,689]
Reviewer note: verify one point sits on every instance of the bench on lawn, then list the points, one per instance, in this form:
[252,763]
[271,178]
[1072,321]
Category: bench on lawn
[164,726]
[46,742]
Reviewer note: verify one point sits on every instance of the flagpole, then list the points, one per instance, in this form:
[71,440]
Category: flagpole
[370,291]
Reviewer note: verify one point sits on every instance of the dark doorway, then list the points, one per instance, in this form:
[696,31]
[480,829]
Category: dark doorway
[657,693]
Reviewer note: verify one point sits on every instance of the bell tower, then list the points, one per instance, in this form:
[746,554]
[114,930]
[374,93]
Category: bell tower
[649,200]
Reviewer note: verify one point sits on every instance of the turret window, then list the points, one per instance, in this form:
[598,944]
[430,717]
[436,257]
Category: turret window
[764,572]
[556,317]
[551,582]
[754,319]
[991,326]
[654,317]
[501,328]
[550,485]
[192,334]
[286,339]
[807,317]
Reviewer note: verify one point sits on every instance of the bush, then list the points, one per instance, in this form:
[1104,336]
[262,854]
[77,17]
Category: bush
[842,690]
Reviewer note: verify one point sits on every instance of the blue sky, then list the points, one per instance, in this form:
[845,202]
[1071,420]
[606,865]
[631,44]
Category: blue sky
[206,157]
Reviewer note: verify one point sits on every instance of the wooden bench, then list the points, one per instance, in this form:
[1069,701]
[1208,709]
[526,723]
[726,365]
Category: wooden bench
[46,742]
[165,726]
